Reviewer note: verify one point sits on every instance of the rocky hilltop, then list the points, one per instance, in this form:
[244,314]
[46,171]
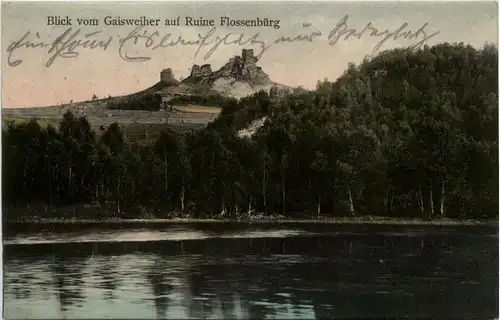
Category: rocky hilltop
[239,68]
[237,78]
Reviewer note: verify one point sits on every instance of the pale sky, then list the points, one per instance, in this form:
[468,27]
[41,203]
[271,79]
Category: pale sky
[104,72]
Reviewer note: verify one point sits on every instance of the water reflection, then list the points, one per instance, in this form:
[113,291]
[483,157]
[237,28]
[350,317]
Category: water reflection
[109,280]
[322,277]
[160,293]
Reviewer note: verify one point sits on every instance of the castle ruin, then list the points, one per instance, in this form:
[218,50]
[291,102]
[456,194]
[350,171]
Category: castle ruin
[206,70]
[247,54]
[195,71]
[167,75]
[241,68]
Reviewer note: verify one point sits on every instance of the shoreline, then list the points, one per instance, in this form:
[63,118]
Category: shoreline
[360,220]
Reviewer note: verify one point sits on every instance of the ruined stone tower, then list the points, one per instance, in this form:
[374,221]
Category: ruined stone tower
[247,54]
[167,75]
[195,71]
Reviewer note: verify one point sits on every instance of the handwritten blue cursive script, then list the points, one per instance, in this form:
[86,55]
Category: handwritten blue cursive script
[140,36]
[63,46]
[342,29]
[71,42]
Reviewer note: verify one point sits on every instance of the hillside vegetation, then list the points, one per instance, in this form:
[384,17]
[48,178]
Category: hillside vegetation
[154,102]
[409,133]
[144,102]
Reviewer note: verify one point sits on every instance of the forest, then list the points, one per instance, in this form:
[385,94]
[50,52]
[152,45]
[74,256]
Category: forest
[409,133]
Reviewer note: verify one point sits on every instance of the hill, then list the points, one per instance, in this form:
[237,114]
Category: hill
[409,133]
[188,104]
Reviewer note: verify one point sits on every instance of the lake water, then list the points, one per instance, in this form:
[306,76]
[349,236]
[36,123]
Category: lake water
[242,272]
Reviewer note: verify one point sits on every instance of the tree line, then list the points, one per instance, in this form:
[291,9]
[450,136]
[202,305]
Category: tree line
[409,133]
[210,99]
[145,102]
[154,101]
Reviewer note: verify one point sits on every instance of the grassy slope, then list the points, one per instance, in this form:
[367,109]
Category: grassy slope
[197,109]
[140,126]
[136,125]
[132,131]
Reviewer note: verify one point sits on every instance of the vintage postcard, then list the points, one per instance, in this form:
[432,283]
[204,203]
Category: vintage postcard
[250,160]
